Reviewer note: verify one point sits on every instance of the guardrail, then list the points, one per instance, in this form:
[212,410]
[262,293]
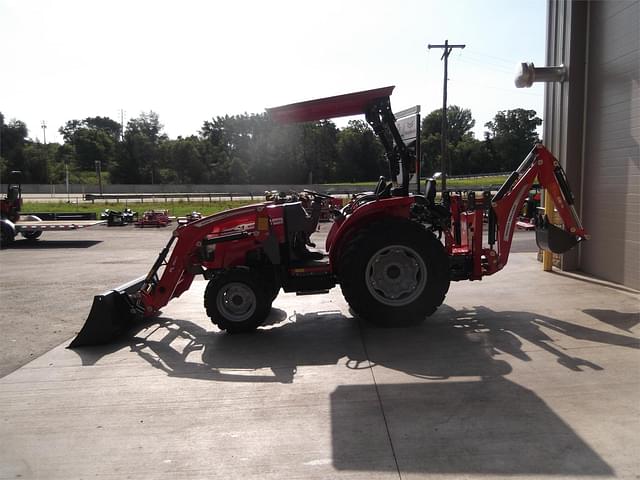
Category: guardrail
[211,196]
[61,216]
[117,193]
[220,196]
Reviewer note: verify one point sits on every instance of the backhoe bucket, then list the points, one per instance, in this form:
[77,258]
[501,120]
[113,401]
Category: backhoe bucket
[552,238]
[112,313]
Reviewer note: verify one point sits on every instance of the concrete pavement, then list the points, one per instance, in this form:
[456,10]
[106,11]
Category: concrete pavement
[525,374]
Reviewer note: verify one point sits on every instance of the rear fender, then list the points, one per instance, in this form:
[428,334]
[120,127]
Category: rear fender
[340,233]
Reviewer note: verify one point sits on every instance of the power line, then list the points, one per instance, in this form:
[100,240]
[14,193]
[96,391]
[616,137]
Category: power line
[501,59]
[490,66]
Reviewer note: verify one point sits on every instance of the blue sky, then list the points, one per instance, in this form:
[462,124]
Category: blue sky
[192,60]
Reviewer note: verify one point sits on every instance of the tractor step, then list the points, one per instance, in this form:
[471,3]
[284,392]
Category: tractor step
[312,292]
[309,278]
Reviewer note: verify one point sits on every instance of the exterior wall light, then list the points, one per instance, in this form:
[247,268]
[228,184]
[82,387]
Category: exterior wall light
[527,74]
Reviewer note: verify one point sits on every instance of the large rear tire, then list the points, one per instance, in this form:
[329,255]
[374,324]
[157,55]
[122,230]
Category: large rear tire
[236,301]
[394,273]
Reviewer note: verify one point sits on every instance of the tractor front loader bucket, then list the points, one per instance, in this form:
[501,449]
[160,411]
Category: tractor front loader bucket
[112,313]
[552,238]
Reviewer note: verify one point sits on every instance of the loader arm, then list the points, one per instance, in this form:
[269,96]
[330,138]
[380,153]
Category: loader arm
[507,203]
[187,256]
[188,252]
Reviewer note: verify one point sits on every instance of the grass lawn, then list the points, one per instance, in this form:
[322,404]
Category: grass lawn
[179,208]
[476,182]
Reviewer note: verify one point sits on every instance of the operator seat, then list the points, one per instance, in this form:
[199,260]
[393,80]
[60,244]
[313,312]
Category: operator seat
[13,193]
[383,189]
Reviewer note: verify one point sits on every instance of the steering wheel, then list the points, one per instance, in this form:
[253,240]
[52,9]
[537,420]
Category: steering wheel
[317,194]
[382,183]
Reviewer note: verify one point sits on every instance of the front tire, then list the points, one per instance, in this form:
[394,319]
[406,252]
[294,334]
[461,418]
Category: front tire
[7,235]
[32,235]
[235,301]
[394,273]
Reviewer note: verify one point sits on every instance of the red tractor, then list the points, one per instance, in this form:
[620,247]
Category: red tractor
[10,207]
[11,204]
[394,253]
[154,218]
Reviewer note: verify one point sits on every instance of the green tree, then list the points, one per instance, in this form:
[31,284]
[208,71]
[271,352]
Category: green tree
[138,155]
[93,146]
[93,139]
[512,134]
[460,123]
[104,124]
[13,139]
[471,156]
[237,171]
[320,151]
[69,130]
[360,154]
[35,162]
[183,158]
[218,144]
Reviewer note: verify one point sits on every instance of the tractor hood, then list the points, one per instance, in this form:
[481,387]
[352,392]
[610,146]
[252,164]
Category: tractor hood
[330,107]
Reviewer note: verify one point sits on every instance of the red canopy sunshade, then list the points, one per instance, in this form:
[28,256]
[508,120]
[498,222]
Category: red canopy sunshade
[330,107]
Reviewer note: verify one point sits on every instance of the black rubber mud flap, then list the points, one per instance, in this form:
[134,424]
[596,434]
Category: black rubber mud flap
[552,238]
[111,315]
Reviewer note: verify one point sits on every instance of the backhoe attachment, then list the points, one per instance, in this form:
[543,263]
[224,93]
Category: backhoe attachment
[508,201]
[552,238]
[548,236]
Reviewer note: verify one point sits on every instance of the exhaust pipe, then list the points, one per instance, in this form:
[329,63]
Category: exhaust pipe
[112,313]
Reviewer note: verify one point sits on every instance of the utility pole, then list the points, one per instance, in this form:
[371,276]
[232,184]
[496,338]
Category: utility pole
[99,174]
[44,131]
[43,124]
[444,145]
[122,113]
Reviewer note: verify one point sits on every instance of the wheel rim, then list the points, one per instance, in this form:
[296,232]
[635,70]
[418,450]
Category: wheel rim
[236,301]
[396,275]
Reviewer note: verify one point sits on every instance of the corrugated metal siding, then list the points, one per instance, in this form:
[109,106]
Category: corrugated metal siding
[611,191]
[564,101]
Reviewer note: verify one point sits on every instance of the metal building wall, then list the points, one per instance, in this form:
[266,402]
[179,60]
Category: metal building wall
[612,143]
[564,102]
[592,122]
